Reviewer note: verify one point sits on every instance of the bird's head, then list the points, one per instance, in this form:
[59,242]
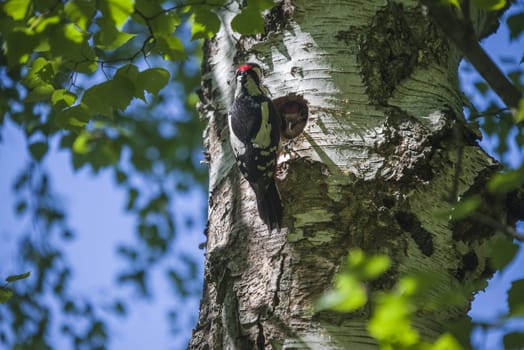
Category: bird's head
[249,80]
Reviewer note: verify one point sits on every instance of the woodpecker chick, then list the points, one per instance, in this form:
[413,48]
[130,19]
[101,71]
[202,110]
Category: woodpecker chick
[294,113]
[254,126]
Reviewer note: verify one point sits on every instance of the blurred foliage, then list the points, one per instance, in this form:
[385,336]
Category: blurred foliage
[394,311]
[113,83]
[5,292]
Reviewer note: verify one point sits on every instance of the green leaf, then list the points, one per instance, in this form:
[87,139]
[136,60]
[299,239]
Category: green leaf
[153,80]
[19,46]
[390,323]
[62,98]
[17,9]
[349,295]
[40,93]
[41,72]
[124,84]
[490,5]
[514,340]
[519,116]
[376,266]
[170,47]
[38,150]
[446,342]
[148,8]
[82,143]
[116,93]
[108,37]
[516,298]
[39,79]
[5,294]
[18,277]
[508,181]
[249,21]
[99,98]
[465,207]
[416,283]
[516,25]
[73,118]
[461,330]
[205,24]
[165,23]
[69,42]
[502,252]
[80,12]
[455,3]
[118,11]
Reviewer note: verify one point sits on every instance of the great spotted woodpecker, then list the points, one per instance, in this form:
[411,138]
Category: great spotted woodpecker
[254,126]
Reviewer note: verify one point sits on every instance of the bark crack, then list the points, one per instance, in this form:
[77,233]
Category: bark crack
[276,299]
[261,339]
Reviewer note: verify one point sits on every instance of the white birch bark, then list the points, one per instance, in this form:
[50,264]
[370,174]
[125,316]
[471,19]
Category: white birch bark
[384,149]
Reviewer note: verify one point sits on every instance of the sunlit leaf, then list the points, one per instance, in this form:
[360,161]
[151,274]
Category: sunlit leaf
[165,23]
[455,3]
[63,98]
[117,10]
[446,342]
[376,266]
[18,277]
[42,24]
[519,116]
[349,294]
[17,9]
[82,143]
[80,12]
[170,47]
[390,323]
[40,93]
[205,24]
[490,5]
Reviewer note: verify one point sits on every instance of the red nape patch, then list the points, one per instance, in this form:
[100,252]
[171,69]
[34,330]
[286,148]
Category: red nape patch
[245,68]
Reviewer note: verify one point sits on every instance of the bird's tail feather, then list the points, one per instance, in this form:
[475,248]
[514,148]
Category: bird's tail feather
[270,207]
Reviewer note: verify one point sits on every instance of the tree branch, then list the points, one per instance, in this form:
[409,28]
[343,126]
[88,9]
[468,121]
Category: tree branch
[460,31]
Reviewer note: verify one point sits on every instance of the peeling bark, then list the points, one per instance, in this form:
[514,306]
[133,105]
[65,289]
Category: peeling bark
[385,148]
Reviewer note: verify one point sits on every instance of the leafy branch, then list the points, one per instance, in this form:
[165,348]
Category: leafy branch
[5,292]
[453,19]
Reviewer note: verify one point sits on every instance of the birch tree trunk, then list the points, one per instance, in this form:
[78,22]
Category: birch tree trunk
[384,149]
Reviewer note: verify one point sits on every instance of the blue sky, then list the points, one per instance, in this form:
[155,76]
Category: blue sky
[107,224]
